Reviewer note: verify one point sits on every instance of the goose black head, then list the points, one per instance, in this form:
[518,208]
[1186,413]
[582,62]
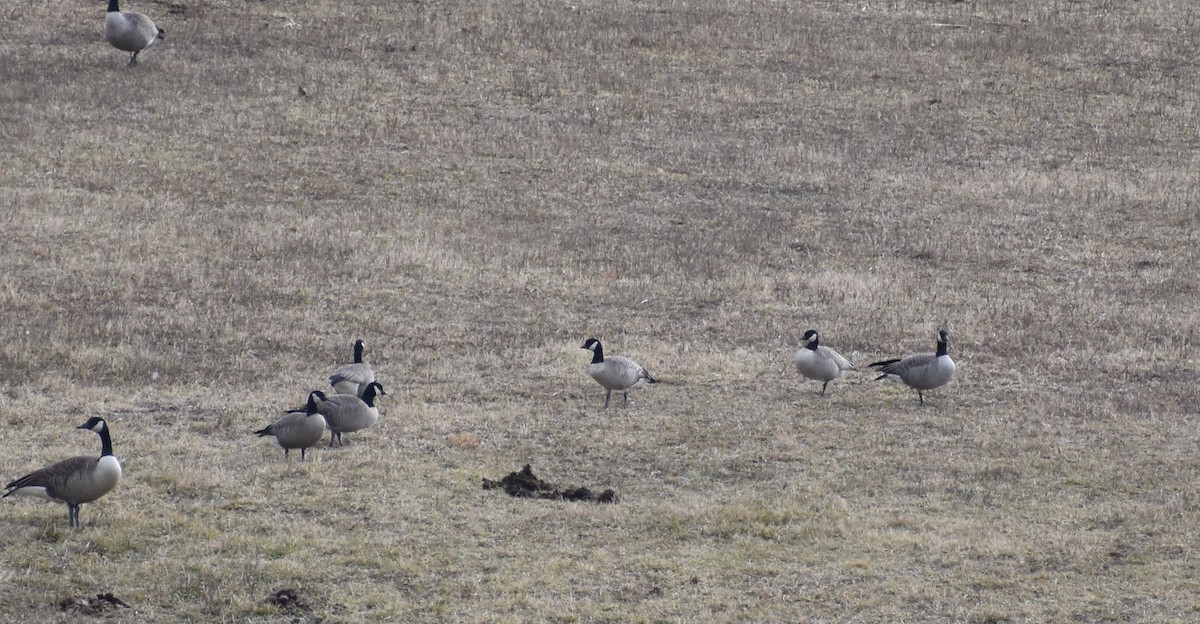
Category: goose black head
[95,423]
[590,343]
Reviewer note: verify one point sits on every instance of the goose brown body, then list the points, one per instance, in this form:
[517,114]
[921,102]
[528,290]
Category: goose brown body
[346,413]
[353,378]
[921,371]
[74,481]
[615,372]
[300,429]
[818,362]
[129,31]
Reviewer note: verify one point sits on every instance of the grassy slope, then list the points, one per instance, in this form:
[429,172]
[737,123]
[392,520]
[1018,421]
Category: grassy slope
[474,188]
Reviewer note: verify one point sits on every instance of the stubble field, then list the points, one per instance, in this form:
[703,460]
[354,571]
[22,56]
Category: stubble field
[474,188]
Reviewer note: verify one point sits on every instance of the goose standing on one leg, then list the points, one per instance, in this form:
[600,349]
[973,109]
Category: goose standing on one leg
[355,377]
[920,371]
[345,413]
[614,373]
[819,362]
[129,31]
[298,429]
[77,480]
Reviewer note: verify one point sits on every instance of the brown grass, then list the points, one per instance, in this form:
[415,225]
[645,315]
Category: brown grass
[474,188]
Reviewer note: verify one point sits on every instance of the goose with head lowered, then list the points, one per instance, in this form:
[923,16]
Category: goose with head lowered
[353,378]
[346,413]
[129,31]
[74,481]
[920,371]
[816,361]
[614,372]
[298,429]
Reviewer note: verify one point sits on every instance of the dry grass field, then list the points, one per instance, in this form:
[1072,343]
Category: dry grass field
[474,188]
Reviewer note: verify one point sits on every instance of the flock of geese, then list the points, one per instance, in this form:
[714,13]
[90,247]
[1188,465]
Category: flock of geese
[351,409]
[919,371]
[83,479]
[80,480]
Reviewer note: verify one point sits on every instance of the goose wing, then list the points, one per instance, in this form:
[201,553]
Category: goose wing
[339,407]
[842,363]
[905,364]
[52,477]
[361,374]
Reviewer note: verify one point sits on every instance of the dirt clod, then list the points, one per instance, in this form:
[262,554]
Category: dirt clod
[92,605]
[525,484]
[288,601]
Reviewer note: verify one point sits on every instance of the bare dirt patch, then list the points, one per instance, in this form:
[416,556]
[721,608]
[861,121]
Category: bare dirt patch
[525,484]
[99,604]
[288,601]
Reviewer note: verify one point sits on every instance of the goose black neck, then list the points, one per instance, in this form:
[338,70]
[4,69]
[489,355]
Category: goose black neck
[368,396]
[358,346]
[598,354]
[812,344]
[941,348]
[105,440]
[112,6]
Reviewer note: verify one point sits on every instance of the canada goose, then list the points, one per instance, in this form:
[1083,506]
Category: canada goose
[353,378]
[129,31]
[77,480]
[614,373]
[298,428]
[819,362]
[920,371]
[345,413]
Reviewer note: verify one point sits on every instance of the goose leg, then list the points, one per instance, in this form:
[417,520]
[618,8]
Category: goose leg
[607,396]
[626,393]
[133,59]
[823,386]
[73,515]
